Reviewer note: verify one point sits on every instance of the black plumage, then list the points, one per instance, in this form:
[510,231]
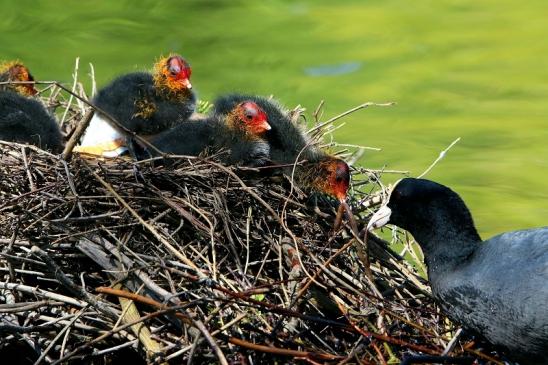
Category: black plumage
[150,103]
[25,120]
[497,288]
[290,144]
[236,136]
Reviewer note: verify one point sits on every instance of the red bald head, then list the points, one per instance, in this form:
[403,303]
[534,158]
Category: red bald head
[332,178]
[179,71]
[254,118]
[173,73]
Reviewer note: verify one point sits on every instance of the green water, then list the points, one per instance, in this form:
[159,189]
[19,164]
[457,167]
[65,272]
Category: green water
[471,69]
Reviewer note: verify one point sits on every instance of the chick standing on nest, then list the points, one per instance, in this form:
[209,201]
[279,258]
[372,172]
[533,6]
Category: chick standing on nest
[22,119]
[237,133]
[144,103]
[289,144]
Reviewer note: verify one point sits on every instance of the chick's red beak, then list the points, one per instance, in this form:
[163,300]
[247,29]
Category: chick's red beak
[341,180]
[260,127]
[341,192]
[186,83]
[262,124]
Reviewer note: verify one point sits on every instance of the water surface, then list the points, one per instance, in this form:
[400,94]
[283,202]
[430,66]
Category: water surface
[471,69]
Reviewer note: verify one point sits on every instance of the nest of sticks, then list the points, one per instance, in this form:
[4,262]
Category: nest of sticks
[111,261]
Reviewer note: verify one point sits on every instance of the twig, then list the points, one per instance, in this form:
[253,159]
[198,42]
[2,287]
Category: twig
[441,156]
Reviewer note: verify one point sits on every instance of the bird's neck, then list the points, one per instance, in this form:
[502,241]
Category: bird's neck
[446,246]
[307,175]
[164,91]
[235,125]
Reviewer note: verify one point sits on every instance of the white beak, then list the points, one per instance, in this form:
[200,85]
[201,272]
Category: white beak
[380,218]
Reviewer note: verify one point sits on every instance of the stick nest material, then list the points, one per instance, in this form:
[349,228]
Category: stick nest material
[107,261]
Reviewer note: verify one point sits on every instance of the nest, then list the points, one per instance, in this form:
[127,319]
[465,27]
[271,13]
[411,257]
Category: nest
[110,261]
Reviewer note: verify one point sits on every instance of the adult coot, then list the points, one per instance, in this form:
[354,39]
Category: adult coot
[238,133]
[142,102]
[289,144]
[22,119]
[498,287]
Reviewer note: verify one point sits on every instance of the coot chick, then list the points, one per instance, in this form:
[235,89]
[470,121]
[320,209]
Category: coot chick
[498,287]
[22,119]
[238,132]
[150,103]
[289,144]
[16,71]
[144,103]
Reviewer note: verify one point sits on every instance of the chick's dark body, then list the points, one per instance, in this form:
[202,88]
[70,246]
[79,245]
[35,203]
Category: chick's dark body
[25,120]
[135,102]
[212,135]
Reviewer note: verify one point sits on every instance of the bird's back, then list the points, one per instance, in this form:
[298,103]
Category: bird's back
[502,291]
[190,138]
[119,97]
[26,120]
[134,101]
[212,135]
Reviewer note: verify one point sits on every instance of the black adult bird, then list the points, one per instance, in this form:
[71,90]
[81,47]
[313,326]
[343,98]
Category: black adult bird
[22,119]
[498,287]
[150,103]
[289,144]
[238,133]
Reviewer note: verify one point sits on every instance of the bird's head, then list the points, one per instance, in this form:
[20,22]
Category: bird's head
[250,118]
[16,71]
[173,73]
[331,176]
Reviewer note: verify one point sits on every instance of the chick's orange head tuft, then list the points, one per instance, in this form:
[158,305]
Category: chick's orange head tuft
[173,73]
[338,178]
[16,71]
[253,116]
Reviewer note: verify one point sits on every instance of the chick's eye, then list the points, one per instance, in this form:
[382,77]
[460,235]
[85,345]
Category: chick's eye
[248,116]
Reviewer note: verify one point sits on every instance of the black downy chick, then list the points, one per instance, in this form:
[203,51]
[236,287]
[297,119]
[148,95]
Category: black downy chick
[151,103]
[22,119]
[289,144]
[237,135]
